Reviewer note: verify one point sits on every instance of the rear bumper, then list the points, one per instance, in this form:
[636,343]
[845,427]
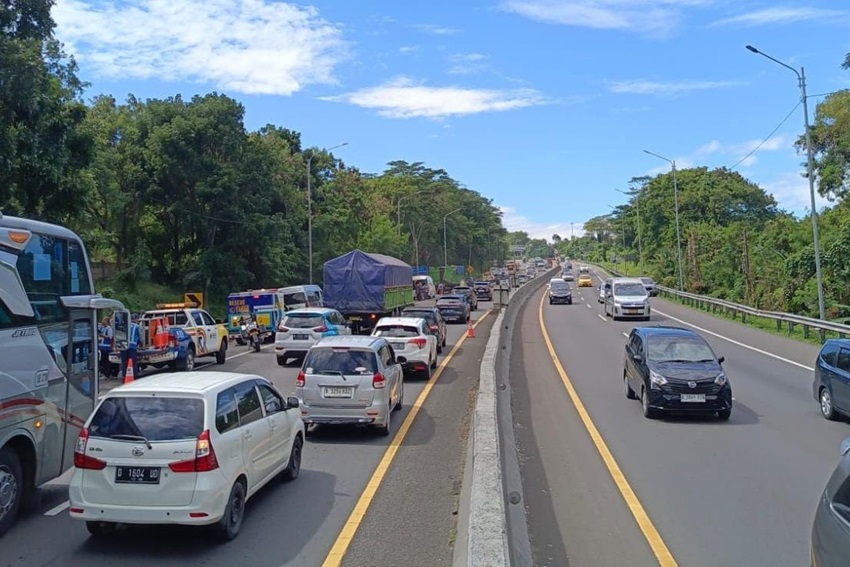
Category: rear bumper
[376,414]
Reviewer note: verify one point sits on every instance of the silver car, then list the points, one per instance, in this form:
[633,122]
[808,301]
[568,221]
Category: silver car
[301,328]
[831,528]
[353,380]
[627,299]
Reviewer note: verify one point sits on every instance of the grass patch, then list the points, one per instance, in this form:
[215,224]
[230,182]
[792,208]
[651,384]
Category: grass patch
[140,295]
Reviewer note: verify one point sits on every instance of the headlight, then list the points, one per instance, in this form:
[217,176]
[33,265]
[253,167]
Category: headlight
[721,379]
[656,379]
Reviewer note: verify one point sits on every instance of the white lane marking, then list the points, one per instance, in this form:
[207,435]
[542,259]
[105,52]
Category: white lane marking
[738,343]
[601,317]
[58,509]
[588,306]
[625,334]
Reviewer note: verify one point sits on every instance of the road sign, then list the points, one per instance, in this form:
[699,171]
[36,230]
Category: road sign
[470,270]
[194,298]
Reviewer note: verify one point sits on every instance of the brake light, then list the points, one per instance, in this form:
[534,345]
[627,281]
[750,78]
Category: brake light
[83,461]
[281,328]
[320,329]
[419,342]
[378,381]
[300,380]
[205,459]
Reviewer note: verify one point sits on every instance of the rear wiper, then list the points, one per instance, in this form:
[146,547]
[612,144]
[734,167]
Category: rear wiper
[333,373]
[133,438]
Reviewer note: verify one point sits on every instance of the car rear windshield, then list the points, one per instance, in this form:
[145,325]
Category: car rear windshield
[303,320]
[678,349]
[427,315]
[482,284]
[333,360]
[449,300]
[629,289]
[396,331]
[153,418]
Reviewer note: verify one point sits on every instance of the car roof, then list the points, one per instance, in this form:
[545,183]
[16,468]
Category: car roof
[361,341]
[311,310]
[184,383]
[399,321]
[627,281]
[667,331]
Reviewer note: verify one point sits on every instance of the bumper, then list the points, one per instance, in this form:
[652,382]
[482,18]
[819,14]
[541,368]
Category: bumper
[632,312]
[484,296]
[566,299]
[293,348]
[376,414]
[453,315]
[414,365]
[665,401]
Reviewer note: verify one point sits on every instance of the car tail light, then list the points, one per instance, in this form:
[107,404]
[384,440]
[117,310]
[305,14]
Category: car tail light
[320,329]
[281,328]
[300,379]
[434,327]
[204,460]
[378,381]
[83,461]
[419,342]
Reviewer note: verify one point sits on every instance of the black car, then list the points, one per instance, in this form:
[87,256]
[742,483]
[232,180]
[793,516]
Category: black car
[467,292]
[483,291]
[560,292]
[831,386]
[830,545]
[674,369]
[435,320]
[454,308]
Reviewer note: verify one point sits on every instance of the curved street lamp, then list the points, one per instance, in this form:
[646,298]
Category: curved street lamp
[676,204]
[310,206]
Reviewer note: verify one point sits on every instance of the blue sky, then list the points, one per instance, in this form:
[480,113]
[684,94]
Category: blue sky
[544,106]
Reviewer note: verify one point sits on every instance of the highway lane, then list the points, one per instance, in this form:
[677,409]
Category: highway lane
[286,524]
[732,493]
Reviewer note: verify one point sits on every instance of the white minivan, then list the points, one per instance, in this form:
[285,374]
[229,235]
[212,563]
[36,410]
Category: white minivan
[183,448]
[428,283]
[627,299]
[300,296]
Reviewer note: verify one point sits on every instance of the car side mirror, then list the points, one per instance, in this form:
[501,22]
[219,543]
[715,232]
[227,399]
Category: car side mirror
[721,360]
[637,358]
[292,402]
[401,359]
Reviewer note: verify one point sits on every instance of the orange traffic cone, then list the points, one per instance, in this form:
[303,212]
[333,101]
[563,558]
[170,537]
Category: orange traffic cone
[129,375]
[470,330]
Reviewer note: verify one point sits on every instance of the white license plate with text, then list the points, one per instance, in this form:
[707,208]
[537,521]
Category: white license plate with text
[338,392]
[693,398]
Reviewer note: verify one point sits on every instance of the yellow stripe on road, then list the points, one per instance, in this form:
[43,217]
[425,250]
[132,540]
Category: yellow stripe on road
[653,538]
[349,530]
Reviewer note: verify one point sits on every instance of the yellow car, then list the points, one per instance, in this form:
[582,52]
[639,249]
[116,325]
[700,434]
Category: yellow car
[585,281]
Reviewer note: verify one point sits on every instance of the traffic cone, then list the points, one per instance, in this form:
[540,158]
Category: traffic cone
[129,375]
[470,330]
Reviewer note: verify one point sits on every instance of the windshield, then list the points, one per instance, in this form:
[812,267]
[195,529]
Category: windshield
[647,281]
[395,331]
[449,300]
[678,349]
[297,298]
[560,287]
[345,360]
[630,290]
[303,320]
[427,315]
[151,418]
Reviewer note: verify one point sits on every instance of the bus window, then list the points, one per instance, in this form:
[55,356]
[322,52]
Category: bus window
[80,283]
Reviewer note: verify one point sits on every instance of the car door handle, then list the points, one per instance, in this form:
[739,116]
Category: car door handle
[248,435]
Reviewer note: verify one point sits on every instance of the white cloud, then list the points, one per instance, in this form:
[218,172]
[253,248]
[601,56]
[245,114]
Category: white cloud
[403,98]
[248,46]
[791,191]
[408,48]
[783,15]
[728,154]
[466,63]
[643,16]
[665,88]
[513,221]
[435,29]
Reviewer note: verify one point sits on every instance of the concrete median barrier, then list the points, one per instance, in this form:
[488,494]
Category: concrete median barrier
[492,530]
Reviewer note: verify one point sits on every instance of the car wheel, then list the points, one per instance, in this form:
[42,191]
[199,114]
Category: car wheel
[221,355]
[725,414]
[400,401]
[281,360]
[187,364]
[434,362]
[630,394]
[648,411]
[427,372]
[229,525]
[439,347]
[293,468]
[826,407]
[384,430]
[101,529]
[11,488]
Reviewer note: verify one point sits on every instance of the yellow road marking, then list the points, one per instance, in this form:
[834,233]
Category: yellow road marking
[349,530]
[653,538]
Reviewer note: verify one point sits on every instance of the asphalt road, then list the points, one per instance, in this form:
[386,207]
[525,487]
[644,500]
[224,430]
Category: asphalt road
[718,493]
[298,523]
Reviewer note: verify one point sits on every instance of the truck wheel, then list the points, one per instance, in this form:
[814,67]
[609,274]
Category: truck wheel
[221,355]
[11,488]
[187,364]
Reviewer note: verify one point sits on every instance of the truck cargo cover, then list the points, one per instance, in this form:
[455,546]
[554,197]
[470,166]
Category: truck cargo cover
[355,282]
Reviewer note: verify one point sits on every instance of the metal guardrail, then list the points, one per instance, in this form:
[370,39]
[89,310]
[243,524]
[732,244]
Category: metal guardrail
[790,320]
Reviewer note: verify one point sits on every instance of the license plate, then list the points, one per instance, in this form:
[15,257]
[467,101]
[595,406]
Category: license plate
[693,398]
[137,475]
[338,392]
[398,346]
[301,337]
[355,318]
[632,310]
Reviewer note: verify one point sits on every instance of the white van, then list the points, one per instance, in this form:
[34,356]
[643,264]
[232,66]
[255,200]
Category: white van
[300,296]
[627,299]
[428,282]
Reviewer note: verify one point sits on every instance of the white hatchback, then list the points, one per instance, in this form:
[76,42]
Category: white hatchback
[183,449]
[410,338]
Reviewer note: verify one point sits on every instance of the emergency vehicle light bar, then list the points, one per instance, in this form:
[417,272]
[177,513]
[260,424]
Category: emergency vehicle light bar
[174,305]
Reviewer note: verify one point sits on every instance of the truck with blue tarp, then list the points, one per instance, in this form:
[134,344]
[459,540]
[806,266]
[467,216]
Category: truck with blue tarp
[365,287]
[266,305]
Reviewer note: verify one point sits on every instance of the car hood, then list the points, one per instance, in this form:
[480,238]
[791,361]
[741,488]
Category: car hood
[687,371]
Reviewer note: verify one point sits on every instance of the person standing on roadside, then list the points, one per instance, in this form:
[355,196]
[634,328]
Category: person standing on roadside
[104,347]
[130,354]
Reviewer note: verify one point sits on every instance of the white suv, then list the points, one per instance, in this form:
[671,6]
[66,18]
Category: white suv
[183,449]
[410,337]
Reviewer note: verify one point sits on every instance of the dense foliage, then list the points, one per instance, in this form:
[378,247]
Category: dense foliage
[178,192]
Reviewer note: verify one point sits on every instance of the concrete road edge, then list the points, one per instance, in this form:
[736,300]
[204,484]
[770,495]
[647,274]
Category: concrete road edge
[492,488]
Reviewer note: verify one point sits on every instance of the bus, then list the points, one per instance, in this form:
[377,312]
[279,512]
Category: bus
[48,355]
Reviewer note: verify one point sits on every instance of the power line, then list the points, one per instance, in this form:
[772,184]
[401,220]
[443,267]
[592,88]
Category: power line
[769,136]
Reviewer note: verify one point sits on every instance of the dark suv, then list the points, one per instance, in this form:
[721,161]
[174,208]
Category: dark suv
[483,291]
[674,369]
[831,386]
[436,323]
[467,292]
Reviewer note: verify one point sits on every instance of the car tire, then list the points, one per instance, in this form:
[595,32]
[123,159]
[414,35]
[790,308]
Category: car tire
[293,467]
[229,525]
[400,402]
[434,362]
[281,360]
[221,355]
[439,348]
[187,363]
[384,430]
[11,483]
[630,394]
[648,412]
[427,373]
[725,414]
[101,529]
[827,409]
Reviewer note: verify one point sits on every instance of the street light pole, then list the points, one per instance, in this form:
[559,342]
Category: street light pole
[310,206]
[810,172]
[676,205]
[445,239]
[623,230]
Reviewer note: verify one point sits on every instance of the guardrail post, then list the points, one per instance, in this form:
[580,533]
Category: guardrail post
[805,331]
[743,317]
[822,335]
[790,328]
[779,325]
